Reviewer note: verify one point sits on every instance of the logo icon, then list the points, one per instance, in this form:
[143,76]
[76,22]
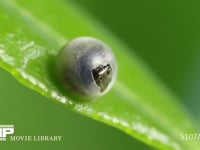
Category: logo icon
[5,130]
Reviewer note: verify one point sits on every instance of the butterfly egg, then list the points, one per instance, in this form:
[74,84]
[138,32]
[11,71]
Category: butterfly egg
[87,67]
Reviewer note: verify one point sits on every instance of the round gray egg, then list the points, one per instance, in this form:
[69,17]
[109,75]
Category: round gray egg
[87,67]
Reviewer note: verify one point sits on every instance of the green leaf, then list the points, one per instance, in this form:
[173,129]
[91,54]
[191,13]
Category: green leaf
[31,34]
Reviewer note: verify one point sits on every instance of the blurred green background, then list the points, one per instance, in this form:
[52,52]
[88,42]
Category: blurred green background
[164,34]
